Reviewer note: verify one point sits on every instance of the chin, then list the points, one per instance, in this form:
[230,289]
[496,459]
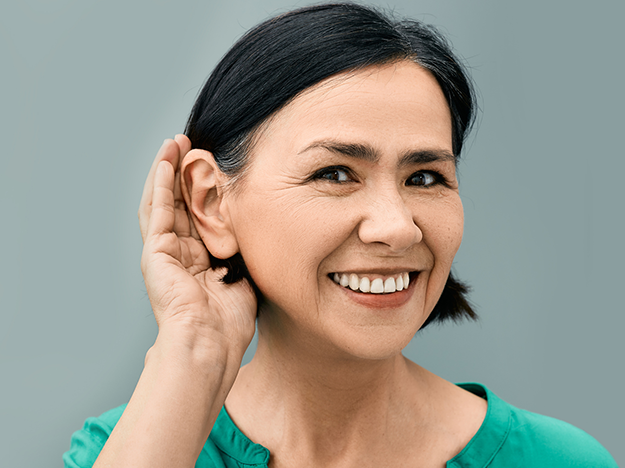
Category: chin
[374,344]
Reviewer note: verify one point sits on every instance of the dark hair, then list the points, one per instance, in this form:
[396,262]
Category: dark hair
[283,56]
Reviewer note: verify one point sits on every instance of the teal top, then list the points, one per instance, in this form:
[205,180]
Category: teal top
[509,437]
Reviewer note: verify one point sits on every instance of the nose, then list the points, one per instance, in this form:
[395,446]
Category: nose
[389,221]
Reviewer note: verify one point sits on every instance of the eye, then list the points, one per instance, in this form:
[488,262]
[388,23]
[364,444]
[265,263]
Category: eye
[424,179]
[334,174]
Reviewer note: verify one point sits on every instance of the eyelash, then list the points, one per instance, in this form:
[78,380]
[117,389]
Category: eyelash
[322,174]
[438,178]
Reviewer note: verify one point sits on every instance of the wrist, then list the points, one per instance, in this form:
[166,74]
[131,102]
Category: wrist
[200,350]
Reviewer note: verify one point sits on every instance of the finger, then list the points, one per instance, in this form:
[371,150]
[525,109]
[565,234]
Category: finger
[184,146]
[145,205]
[184,222]
[182,225]
[170,152]
[162,217]
[183,143]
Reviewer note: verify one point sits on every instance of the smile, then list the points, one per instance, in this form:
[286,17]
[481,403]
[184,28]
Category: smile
[365,284]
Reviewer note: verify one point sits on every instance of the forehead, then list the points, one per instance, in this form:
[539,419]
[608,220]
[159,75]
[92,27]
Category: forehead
[389,106]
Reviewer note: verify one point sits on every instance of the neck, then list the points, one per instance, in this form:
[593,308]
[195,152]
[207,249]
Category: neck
[312,396]
[311,368]
[304,399]
[316,383]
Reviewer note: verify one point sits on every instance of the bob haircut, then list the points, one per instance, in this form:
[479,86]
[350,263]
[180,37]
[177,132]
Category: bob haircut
[282,57]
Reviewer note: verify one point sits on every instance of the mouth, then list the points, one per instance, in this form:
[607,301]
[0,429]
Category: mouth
[374,283]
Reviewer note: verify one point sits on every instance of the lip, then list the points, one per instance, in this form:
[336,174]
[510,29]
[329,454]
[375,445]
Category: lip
[381,301]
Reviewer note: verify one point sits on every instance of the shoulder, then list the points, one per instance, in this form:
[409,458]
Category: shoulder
[551,442]
[511,437]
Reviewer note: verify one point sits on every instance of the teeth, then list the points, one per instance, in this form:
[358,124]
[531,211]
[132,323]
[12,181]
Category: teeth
[354,282]
[389,285]
[344,280]
[376,286]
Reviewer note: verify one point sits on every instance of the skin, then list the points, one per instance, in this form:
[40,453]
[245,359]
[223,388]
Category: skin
[328,385]
[374,223]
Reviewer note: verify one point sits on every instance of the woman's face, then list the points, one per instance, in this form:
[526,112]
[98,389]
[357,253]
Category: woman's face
[353,180]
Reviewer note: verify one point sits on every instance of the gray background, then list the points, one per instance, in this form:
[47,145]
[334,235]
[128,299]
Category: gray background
[89,91]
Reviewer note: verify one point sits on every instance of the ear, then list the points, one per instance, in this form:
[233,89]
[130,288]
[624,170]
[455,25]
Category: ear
[200,182]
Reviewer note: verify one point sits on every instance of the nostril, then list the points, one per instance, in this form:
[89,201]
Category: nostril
[398,234]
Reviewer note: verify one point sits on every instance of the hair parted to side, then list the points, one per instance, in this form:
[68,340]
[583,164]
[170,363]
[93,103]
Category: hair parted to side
[280,58]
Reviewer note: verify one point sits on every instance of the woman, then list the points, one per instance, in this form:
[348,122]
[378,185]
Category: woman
[320,201]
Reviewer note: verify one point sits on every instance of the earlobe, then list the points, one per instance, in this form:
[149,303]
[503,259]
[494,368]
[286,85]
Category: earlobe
[200,183]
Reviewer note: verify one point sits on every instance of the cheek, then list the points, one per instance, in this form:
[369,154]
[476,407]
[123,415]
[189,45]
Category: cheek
[443,225]
[442,232]
[449,229]
[284,237]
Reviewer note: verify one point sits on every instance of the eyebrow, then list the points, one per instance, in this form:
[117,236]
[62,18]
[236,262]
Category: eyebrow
[426,156]
[369,154]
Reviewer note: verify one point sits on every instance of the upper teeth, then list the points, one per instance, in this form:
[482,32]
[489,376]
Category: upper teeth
[375,286]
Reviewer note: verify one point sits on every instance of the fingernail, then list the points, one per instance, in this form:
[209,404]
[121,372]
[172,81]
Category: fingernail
[160,169]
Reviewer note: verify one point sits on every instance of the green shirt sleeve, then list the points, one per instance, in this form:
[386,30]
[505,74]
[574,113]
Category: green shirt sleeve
[514,438]
[227,447]
[541,441]
[87,443]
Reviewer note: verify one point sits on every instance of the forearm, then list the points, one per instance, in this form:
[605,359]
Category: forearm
[177,399]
